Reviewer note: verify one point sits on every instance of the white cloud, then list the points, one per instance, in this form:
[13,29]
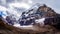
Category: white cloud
[21,5]
[30,1]
[2,8]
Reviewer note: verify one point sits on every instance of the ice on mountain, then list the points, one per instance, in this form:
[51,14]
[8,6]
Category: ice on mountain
[40,21]
[3,11]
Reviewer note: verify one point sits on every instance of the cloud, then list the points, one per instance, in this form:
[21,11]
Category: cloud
[2,8]
[21,5]
[3,2]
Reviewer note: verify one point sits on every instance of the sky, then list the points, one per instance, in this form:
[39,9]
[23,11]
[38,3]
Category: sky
[18,6]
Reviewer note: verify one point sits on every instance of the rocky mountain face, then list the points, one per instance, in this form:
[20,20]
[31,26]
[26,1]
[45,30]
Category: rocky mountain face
[50,26]
[43,13]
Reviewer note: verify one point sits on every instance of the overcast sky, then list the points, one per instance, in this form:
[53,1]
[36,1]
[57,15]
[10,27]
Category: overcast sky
[54,4]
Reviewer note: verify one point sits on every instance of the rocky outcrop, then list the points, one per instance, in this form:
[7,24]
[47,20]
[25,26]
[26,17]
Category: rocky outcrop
[47,11]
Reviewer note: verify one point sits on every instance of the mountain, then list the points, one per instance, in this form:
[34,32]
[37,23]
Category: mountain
[50,19]
[37,13]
